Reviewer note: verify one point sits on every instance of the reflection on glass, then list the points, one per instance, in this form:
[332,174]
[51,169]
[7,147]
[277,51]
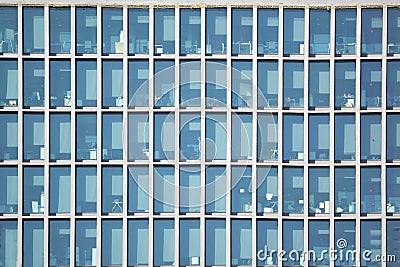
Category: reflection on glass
[293,140]
[111,243]
[215,31]
[215,189]
[392,189]
[138,242]
[371,190]
[138,189]
[113,34]
[189,136]
[86,136]
[60,189]
[189,189]
[318,190]
[190,31]
[215,136]
[9,132]
[345,230]
[33,29]
[345,137]
[242,136]
[371,83]
[392,136]
[8,191]
[371,31]
[319,243]
[112,83]
[267,190]
[293,36]
[215,83]
[319,84]
[86,30]
[293,84]
[293,239]
[60,30]
[393,83]
[318,137]
[34,198]
[293,188]
[8,236]
[138,83]
[8,81]
[164,184]
[241,240]
[33,245]
[164,136]
[190,83]
[241,189]
[371,137]
[86,189]
[60,136]
[138,30]
[345,84]
[86,83]
[393,31]
[34,136]
[33,83]
[345,190]
[215,242]
[112,136]
[59,243]
[111,189]
[242,31]
[164,242]
[268,21]
[164,31]
[320,28]
[60,83]
[85,242]
[267,84]
[267,237]
[9,29]
[164,80]
[189,242]
[138,136]
[242,91]
[345,31]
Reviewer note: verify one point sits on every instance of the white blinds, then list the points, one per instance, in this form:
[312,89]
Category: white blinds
[116,185]
[349,139]
[272,82]
[116,247]
[298,240]
[142,199]
[245,139]
[298,29]
[323,136]
[12,134]
[10,248]
[375,142]
[91,188]
[298,137]
[12,84]
[38,32]
[65,137]
[91,84]
[168,136]
[38,134]
[220,25]
[12,190]
[169,28]
[142,246]
[116,86]
[298,79]
[245,243]
[323,82]
[38,243]
[64,198]
[220,140]
[168,245]
[116,133]
[194,242]
[220,246]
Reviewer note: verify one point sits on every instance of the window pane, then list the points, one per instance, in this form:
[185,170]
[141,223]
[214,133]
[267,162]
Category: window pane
[345,230]
[345,193]
[371,84]
[293,84]
[392,244]
[242,140]
[371,31]
[86,137]
[319,243]
[393,31]
[241,189]
[164,242]
[318,190]
[268,21]
[9,29]
[242,31]
[111,243]
[267,137]
[216,30]
[33,245]
[393,83]
[86,189]
[345,84]
[60,136]
[267,190]
[85,242]
[242,91]
[60,30]
[371,136]
[111,189]
[345,31]
[164,80]
[8,81]
[320,27]
[112,136]
[293,36]
[33,29]
[113,35]
[138,30]
[241,242]
[190,83]
[138,242]
[318,137]
[189,136]
[392,136]
[215,242]
[267,84]
[189,243]
[9,132]
[8,237]
[112,83]
[138,136]
[345,137]
[190,31]
[60,189]
[267,240]
[293,190]
[33,83]
[319,84]
[59,242]
[138,190]
[392,189]
[216,133]
[189,189]
[86,30]
[34,136]
[86,83]
[164,136]
[8,190]
[293,140]
[215,83]
[60,83]
[215,189]
[293,239]
[164,31]
[34,198]
[164,188]
[138,83]
[371,190]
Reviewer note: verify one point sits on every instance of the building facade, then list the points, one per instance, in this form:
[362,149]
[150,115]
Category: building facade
[207,134]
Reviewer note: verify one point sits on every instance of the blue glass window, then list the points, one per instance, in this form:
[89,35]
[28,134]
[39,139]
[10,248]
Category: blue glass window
[268,21]
[242,31]
[371,31]
[293,190]
[293,84]
[164,136]
[371,190]
[86,136]
[190,83]
[189,135]
[138,30]
[59,243]
[318,190]
[34,136]
[267,241]
[318,237]
[393,31]
[371,84]
[164,31]
[60,136]
[164,242]
[215,242]
[242,91]
[85,242]
[293,36]
[392,243]
[293,140]
[392,189]
[60,190]
[86,189]
[86,30]
[60,83]
[393,83]
[345,137]
[293,239]
[345,31]
[9,131]
[138,189]
[345,190]
[164,186]
[111,243]
[8,191]
[8,82]
[267,137]
[392,137]
[189,189]
[318,84]
[33,245]
[189,243]
[190,31]
[60,30]
[112,136]
[345,230]
[320,27]
[138,242]
[215,189]
[112,83]
[215,31]
[345,84]
[241,242]
[8,237]
[138,136]
[111,189]
[164,80]
[242,136]
[138,83]
[216,133]
[34,198]
[86,83]
[113,34]
[33,83]
[267,84]
[318,137]
[241,189]
[33,29]
[215,83]
[9,29]
[371,136]
[371,240]
[267,190]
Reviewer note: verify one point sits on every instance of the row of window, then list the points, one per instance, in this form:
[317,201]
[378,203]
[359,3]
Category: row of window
[190,31]
[190,141]
[164,244]
[164,181]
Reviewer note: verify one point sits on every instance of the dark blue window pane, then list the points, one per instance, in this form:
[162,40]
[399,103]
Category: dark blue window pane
[392,136]
[242,75]
[33,245]
[112,83]
[85,242]
[33,29]
[164,145]
[319,84]
[138,83]
[138,242]
[60,83]
[371,136]
[86,83]
[345,190]
[318,190]
[189,190]
[267,190]
[293,36]
[164,31]
[215,242]
[59,242]
[112,137]
[371,31]
[86,30]
[268,21]
[318,137]
[267,240]
[320,27]
[34,136]
[242,31]
[216,31]
[345,137]
[241,190]
[293,84]
[371,84]
[293,190]
[9,29]
[86,137]
[8,237]
[138,190]
[392,242]
[293,239]
[267,84]
[86,189]
[371,190]
[33,83]
[393,83]
[318,243]
[60,189]
[190,31]
[345,31]
[112,189]
[345,230]
[60,136]
[215,83]
[164,242]
[164,80]
[34,198]
[190,83]
[164,186]
[392,190]
[8,190]
[393,31]
[241,240]
[111,243]
[345,84]
[215,189]
[9,132]
[60,30]
[113,35]
[189,243]
[189,135]
[8,82]
[138,31]
[293,140]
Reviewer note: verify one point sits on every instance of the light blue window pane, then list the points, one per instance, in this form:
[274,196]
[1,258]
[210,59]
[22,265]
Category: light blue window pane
[215,189]
[293,190]
[86,83]
[242,136]
[60,136]
[318,139]
[112,83]
[318,190]
[60,30]
[113,34]
[164,31]
[33,83]
[392,136]
[138,83]
[320,26]
[215,242]
[8,237]
[189,242]
[371,31]
[293,140]
[242,33]
[138,242]
[345,194]
[8,190]
[345,84]
[267,190]
[85,242]
[112,137]
[189,190]
[34,136]
[9,29]
[371,190]
[86,137]
[345,31]
[189,138]
[164,242]
[293,84]
[138,190]
[86,30]
[111,243]
[345,230]
[293,239]
[371,84]
[319,243]
[190,83]
[33,245]
[215,136]
[371,137]
[112,189]
[34,198]
[241,242]
[216,83]
[267,240]
[60,83]
[345,137]
[392,189]
[371,234]
[241,190]
[164,186]
[8,82]
[267,137]
[138,137]
[138,30]
[216,30]
[164,80]
[268,21]
[392,243]
[267,84]
[164,136]
[242,92]
[9,132]
[293,36]
[190,31]
[86,189]
[393,31]
[60,189]
[393,83]
[319,84]
[33,29]
[59,241]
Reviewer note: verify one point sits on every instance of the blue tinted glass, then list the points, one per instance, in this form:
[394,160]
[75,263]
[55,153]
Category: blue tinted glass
[86,83]
[34,198]
[190,82]
[8,82]
[267,84]
[164,80]
[293,239]
[345,230]
[8,190]
[138,137]
[189,189]
[293,140]
[318,243]
[392,136]
[242,31]
[112,137]
[164,136]
[371,190]
[318,190]
[85,242]
[293,190]
[190,31]
[86,189]
[267,190]
[242,75]
[111,243]
[60,83]
[138,83]
[393,83]
[215,242]
[215,136]
[371,83]
[268,21]
[392,190]
[9,131]
[112,83]
[138,190]
[189,136]
[393,31]
[345,193]
[318,84]
[320,27]
[9,29]
[392,243]
[33,29]
[293,84]
[60,136]
[33,83]
[111,189]
[267,240]
[138,31]
[59,241]
[318,138]
[86,137]
[60,30]
[86,30]
[164,31]
[241,190]
[371,136]
[189,243]
[371,31]
[215,189]
[8,236]
[215,30]
[33,245]
[267,137]
[345,84]
[293,36]
[242,136]
[60,189]
[164,242]
[370,240]
[345,137]
[345,31]
[34,136]
[164,181]
[215,83]
[113,35]
[241,240]
[138,242]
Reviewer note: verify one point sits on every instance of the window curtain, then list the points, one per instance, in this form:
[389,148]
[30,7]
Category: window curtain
[298,137]
[142,246]
[169,28]
[116,87]
[12,134]
[91,84]
[64,196]
[65,137]
[323,136]
[116,246]
[12,84]
[245,243]
[91,185]
[10,248]
[349,139]
[220,246]
[38,32]
[169,246]
[116,133]
[272,82]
